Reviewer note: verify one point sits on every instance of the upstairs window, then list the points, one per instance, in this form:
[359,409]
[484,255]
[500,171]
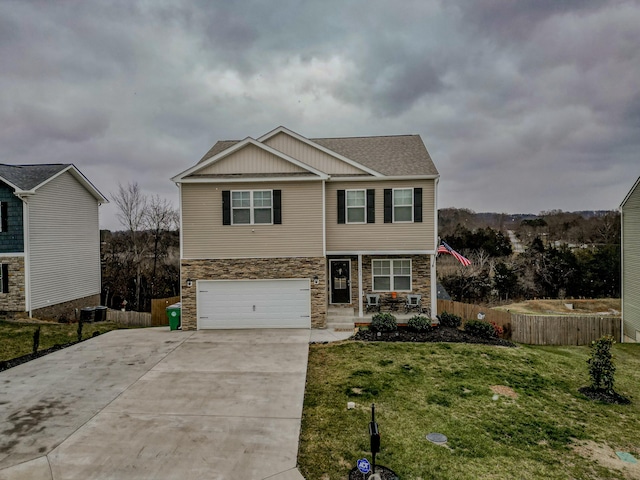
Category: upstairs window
[403,205]
[356,206]
[251,207]
[4,217]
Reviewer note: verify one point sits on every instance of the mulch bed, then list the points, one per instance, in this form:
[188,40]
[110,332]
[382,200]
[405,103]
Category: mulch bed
[604,396]
[384,472]
[437,334]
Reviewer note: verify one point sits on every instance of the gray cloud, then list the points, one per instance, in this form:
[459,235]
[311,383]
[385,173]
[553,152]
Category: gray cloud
[524,106]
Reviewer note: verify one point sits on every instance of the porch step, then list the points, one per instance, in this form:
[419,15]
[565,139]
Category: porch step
[340,313]
[342,326]
[340,319]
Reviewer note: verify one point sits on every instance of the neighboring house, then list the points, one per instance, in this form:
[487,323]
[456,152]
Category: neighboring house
[49,240]
[630,222]
[277,230]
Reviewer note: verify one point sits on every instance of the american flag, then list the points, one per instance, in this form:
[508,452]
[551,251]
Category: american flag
[444,248]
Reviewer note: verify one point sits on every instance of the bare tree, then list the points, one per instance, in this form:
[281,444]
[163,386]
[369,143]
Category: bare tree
[159,217]
[132,207]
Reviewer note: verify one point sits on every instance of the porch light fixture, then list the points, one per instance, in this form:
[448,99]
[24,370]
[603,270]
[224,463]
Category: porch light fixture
[316,280]
[189,282]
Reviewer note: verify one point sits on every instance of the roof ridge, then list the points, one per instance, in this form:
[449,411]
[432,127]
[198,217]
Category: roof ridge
[368,136]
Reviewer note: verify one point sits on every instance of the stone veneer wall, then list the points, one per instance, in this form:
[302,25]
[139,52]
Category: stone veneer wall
[66,310]
[254,269]
[14,301]
[420,274]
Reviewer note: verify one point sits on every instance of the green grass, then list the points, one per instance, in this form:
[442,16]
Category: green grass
[16,338]
[445,388]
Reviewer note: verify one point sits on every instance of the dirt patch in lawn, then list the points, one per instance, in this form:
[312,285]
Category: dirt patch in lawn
[606,457]
[504,390]
[597,306]
[437,334]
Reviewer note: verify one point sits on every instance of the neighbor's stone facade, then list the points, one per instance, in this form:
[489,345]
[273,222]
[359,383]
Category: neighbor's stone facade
[254,269]
[14,301]
[66,311]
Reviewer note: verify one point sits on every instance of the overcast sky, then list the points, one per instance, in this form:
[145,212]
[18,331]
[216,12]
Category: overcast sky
[524,106]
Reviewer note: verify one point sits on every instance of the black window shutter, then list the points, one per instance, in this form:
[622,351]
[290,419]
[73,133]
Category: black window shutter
[388,205]
[341,207]
[277,207]
[417,205]
[226,207]
[371,206]
[5,278]
[4,215]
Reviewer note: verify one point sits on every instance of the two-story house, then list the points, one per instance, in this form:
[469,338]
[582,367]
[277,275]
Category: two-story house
[276,230]
[49,240]
[630,224]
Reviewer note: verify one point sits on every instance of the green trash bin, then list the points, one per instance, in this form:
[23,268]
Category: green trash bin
[173,314]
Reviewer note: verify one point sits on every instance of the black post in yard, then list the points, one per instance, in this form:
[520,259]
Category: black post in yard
[374,434]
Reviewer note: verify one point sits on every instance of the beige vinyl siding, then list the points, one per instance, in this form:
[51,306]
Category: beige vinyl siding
[251,159]
[63,243]
[379,235]
[631,265]
[310,155]
[299,235]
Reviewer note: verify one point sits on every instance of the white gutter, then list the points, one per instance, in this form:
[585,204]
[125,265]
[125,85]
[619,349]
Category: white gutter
[252,179]
[383,179]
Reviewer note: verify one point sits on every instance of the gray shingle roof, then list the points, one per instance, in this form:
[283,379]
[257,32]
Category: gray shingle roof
[26,177]
[390,155]
[394,155]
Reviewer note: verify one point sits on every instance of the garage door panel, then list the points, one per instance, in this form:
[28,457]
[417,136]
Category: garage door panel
[254,304]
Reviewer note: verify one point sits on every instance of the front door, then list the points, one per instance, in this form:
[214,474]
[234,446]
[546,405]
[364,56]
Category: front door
[340,271]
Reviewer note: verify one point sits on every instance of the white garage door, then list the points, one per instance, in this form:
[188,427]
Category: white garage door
[254,303]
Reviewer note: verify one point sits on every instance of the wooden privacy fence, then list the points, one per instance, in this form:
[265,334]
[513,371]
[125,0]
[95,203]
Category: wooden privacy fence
[562,330]
[539,329]
[470,312]
[139,319]
[159,310]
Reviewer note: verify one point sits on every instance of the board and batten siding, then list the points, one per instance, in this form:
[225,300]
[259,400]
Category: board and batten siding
[205,237]
[63,243]
[631,265]
[251,159]
[12,240]
[380,236]
[310,155]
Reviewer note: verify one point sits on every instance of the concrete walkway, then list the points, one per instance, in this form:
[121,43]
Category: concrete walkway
[150,404]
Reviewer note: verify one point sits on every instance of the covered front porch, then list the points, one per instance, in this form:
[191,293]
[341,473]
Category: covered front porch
[351,280]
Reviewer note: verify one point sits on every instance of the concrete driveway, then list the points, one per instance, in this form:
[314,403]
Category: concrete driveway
[155,404]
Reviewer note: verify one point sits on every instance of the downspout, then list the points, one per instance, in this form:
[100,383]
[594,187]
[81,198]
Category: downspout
[434,277]
[360,292]
[621,275]
[27,255]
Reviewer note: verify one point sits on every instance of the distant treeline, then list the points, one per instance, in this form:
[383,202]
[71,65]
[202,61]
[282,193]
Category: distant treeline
[573,254]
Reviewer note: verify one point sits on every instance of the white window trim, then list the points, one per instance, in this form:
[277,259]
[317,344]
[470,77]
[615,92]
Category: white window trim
[251,207]
[391,276]
[346,206]
[393,206]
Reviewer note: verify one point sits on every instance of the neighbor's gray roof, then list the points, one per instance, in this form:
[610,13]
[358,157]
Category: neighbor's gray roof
[26,177]
[394,155]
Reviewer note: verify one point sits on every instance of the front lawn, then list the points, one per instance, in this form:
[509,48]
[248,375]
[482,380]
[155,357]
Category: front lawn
[539,426]
[16,337]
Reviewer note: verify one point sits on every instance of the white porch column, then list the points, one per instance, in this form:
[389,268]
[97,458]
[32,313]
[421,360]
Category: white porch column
[434,287]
